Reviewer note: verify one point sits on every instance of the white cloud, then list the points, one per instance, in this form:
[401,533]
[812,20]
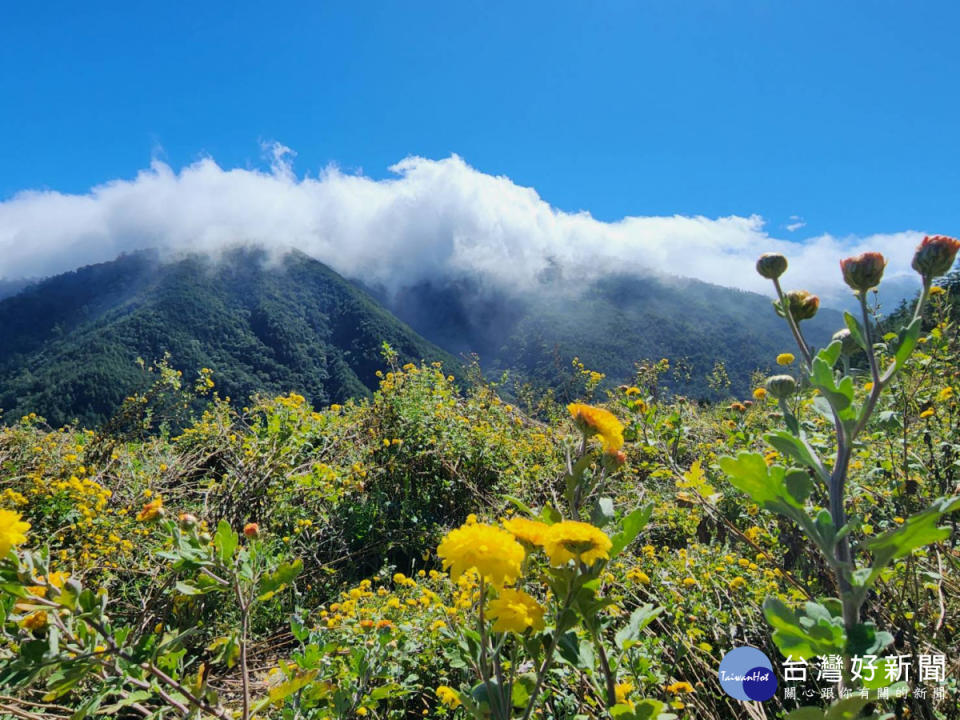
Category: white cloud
[434,218]
[796,223]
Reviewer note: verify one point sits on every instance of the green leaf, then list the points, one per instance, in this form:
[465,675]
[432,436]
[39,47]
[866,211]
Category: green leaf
[798,484]
[602,513]
[225,541]
[522,689]
[919,530]
[187,589]
[630,527]
[856,331]
[550,515]
[578,654]
[805,713]
[813,632]
[798,449]
[848,708]
[831,353]
[765,485]
[280,577]
[822,378]
[520,505]
[907,343]
[629,634]
[291,686]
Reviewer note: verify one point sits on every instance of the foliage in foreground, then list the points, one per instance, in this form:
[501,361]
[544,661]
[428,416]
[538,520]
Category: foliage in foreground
[435,552]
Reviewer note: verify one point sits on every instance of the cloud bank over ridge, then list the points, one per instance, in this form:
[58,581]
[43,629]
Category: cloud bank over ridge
[433,219]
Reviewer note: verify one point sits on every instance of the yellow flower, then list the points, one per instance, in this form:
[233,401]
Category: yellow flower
[927,413]
[13,531]
[151,510]
[638,575]
[760,393]
[597,421]
[737,583]
[492,551]
[35,620]
[689,582]
[515,611]
[680,687]
[448,696]
[785,359]
[622,691]
[945,394]
[936,290]
[571,539]
[531,532]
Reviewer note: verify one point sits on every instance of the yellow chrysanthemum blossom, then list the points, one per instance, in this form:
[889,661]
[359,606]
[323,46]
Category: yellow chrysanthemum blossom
[760,393]
[570,539]
[493,552]
[151,510]
[13,531]
[531,532]
[680,687]
[785,359]
[35,620]
[448,696]
[597,421]
[515,611]
[622,692]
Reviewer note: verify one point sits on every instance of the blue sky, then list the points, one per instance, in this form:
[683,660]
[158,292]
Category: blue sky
[845,114]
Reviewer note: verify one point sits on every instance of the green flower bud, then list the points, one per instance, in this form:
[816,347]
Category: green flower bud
[935,255]
[849,345]
[771,265]
[802,304]
[187,521]
[781,386]
[863,272]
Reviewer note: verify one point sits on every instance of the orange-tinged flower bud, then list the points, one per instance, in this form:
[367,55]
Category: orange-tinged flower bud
[616,459]
[251,531]
[187,521]
[802,304]
[935,255]
[863,272]
[771,265]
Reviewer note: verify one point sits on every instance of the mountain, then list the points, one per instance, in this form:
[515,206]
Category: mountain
[10,287]
[69,344]
[610,323]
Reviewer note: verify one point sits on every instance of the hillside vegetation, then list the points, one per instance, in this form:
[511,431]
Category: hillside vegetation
[432,550]
[69,345]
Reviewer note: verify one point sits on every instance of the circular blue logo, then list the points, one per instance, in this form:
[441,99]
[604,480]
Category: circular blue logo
[747,674]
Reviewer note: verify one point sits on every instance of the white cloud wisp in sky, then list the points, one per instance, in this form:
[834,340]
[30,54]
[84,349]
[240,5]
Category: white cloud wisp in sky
[434,219]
